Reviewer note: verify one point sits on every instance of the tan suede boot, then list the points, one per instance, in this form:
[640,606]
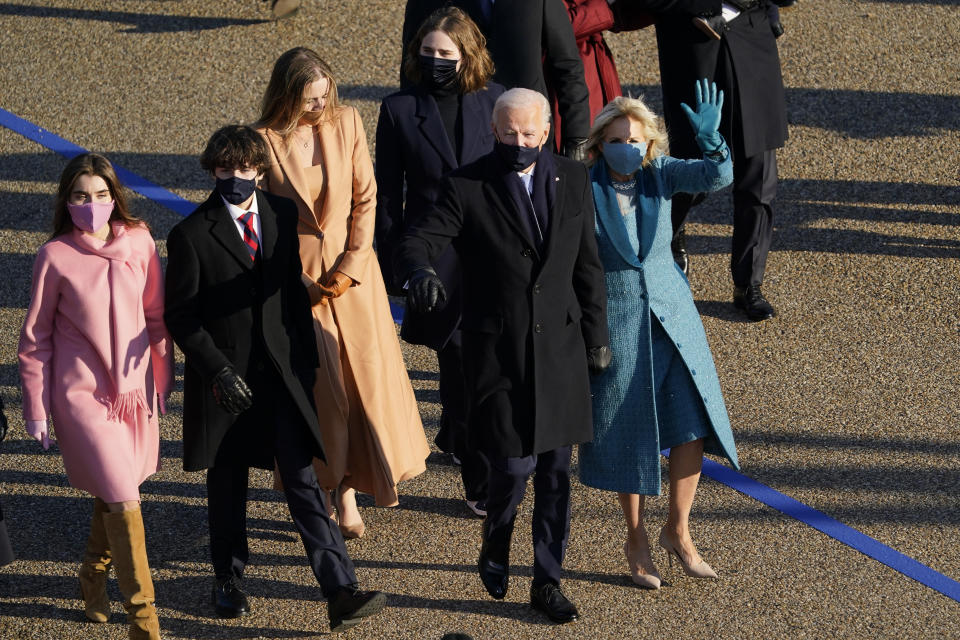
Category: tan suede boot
[95,568]
[125,533]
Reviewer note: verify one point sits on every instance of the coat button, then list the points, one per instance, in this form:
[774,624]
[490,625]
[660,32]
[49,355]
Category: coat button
[526,253]
[538,328]
[663,318]
[319,234]
[679,346]
[536,288]
[693,372]
[253,291]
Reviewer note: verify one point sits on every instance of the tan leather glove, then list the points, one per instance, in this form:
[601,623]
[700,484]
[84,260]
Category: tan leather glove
[336,285]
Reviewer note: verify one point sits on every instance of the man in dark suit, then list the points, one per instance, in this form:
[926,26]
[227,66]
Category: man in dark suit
[236,307]
[534,314]
[741,57]
[529,41]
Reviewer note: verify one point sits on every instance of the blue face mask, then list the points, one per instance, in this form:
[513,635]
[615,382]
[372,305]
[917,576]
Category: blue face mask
[624,158]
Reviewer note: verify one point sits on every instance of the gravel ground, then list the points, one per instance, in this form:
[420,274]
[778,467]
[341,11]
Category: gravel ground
[846,401]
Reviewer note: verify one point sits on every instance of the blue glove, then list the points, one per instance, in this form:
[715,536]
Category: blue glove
[706,120]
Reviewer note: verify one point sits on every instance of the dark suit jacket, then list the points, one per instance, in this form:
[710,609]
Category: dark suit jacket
[529,40]
[528,315]
[413,151]
[222,310]
[745,64]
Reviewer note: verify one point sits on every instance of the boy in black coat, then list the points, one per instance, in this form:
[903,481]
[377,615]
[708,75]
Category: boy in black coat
[237,309]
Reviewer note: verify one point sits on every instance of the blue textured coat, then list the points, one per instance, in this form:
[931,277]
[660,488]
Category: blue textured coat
[625,453]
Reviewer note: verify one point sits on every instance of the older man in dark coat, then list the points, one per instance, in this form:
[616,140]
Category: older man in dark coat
[740,55]
[534,314]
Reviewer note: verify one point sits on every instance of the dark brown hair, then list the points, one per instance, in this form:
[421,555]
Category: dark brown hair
[236,146]
[476,66]
[90,164]
[282,104]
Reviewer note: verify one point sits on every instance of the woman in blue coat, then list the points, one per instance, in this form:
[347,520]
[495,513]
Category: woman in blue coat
[661,391]
[439,124]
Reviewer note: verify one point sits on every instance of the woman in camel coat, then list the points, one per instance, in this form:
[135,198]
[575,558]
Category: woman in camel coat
[372,434]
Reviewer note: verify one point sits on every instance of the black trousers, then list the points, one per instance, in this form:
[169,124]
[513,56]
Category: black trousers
[227,504]
[453,436]
[551,509]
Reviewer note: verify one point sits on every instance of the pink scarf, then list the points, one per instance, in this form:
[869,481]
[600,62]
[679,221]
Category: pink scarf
[129,340]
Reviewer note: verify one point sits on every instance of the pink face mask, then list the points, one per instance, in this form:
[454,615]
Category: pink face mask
[90,216]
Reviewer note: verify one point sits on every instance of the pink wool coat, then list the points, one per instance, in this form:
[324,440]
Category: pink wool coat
[94,353]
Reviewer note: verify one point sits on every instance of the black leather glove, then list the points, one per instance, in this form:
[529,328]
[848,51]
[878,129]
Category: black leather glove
[230,392]
[3,421]
[425,291]
[598,359]
[575,149]
[773,15]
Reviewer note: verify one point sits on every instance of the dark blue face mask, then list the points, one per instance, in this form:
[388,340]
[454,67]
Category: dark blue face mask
[437,73]
[516,157]
[236,190]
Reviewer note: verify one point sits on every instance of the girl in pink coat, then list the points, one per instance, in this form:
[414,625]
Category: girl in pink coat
[95,357]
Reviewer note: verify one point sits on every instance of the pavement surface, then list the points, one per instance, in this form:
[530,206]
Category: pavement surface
[847,401]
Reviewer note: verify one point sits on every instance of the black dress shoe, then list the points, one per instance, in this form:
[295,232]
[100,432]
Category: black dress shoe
[549,599]
[229,600]
[679,248]
[495,576]
[351,605]
[751,300]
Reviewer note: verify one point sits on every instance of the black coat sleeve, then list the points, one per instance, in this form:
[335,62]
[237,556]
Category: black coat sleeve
[588,280]
[390,178]
[430,234]
[689,7]
[564,70]
[182,311]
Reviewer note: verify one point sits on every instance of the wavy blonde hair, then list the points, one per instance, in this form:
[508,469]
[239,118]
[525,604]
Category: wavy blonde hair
[282,104]
[653,128]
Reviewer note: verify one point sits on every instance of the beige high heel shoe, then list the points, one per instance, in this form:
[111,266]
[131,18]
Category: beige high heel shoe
[650,580]
[354,529]
[699,570]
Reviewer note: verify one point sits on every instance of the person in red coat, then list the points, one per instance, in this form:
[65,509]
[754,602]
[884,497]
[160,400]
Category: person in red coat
[590,18]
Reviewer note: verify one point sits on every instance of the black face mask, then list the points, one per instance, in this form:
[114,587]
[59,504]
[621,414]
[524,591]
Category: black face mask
[516,157]
[437,73]
[236,190]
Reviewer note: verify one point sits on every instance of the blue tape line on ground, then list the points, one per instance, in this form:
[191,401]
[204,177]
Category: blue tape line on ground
[724,475]
[66,148]
[837,530]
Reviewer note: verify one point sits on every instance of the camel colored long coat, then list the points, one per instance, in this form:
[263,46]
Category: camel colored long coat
[371,428]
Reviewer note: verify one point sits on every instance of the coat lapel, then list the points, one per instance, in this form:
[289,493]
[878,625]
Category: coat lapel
[224,230]
[290,164]
[649,210]
[475,122]
[608,215]
[268,228]
[501,201]
[431,127]
[556,211]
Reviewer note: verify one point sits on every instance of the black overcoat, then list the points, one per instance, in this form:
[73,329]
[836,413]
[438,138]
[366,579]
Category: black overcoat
[221,310]
[529,40]
[528,314]
[745,64]
[413,155]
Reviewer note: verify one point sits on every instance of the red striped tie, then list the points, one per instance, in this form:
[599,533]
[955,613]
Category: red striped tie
[249,235]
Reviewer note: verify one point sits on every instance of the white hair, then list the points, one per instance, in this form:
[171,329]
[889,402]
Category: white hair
[519,98]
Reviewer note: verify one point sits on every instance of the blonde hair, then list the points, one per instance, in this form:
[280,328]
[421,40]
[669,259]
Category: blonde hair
[635,109]
[282,104]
